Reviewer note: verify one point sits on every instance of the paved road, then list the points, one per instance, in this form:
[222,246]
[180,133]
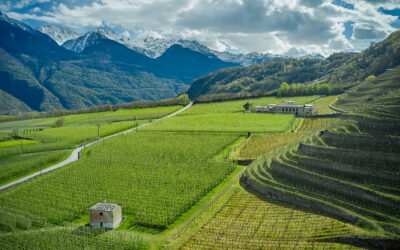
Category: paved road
[74,155]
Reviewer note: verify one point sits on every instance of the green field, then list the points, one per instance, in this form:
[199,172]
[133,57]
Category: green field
[11,143]
[261,145]
[60,138]
[322,105]
[229,122]
[257,146]
[45,145]
[98,117]
[229,117]
[159,177]
[70,238]
[19,165]
[51,145]
[247,222]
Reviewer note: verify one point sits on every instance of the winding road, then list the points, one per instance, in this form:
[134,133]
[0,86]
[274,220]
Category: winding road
[75,154]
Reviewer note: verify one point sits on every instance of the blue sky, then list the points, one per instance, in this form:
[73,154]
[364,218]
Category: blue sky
[290,27]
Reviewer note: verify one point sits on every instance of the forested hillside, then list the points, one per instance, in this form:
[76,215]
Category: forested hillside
[340,70]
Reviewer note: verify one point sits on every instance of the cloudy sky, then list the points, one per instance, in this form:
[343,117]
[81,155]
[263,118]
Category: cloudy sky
[288,27]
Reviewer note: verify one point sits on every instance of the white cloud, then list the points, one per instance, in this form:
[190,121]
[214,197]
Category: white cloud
[36,9]
[279,26]
[5,6]
[25,3]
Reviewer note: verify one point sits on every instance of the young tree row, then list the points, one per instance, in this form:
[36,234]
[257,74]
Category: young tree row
[298,89]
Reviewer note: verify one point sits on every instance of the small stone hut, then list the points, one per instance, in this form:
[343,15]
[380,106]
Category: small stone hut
[105,215]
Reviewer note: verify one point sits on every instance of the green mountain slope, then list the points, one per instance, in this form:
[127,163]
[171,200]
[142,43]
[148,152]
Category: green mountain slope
[45,76]
[10,105]
[19,80]
[340,70]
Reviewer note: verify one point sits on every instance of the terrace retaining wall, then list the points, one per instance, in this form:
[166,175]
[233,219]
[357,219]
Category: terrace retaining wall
[336,109]
[327,152]
[347,168]
[301,201]
[375,126]
[333,184]
[331,115]
[390,143]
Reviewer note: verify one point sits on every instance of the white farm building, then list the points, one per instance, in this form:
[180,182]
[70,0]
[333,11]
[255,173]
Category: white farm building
[287,107]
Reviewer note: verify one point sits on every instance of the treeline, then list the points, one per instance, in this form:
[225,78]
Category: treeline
[299,89]
[223,97]
[180,100]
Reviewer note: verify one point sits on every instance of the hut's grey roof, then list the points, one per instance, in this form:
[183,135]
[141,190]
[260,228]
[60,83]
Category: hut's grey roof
[102,206]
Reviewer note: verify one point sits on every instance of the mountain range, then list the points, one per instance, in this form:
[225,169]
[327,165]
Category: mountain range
[37,74]
[154,47]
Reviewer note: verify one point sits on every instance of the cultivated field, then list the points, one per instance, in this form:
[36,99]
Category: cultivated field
[350,171]
[322,105]
[155,177]
[43,145]
[70,238]
[261,145]
[248,222]
[229,117]
[98,117]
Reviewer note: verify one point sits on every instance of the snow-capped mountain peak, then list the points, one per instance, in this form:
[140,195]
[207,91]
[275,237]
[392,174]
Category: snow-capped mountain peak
[150,46]
[155,46]
[81,43]
[58,34]
[109,34]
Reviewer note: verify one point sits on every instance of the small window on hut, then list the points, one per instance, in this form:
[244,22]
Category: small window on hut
[101,214]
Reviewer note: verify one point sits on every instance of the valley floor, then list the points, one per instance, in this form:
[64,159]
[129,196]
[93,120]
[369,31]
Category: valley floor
[197,200]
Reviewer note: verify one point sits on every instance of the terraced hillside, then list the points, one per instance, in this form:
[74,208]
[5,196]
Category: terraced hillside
[377,96]
[351,173]
[248,222]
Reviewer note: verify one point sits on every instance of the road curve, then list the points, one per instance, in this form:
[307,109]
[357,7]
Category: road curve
[75,154]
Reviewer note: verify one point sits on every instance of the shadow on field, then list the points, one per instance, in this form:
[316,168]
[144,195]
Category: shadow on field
[353,240]
[88,231]
[369,243]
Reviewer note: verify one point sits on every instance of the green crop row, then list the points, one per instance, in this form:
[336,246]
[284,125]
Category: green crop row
[97,117]
[226,122]
[19,165]
[155,177]
[70,238]
[63,137]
